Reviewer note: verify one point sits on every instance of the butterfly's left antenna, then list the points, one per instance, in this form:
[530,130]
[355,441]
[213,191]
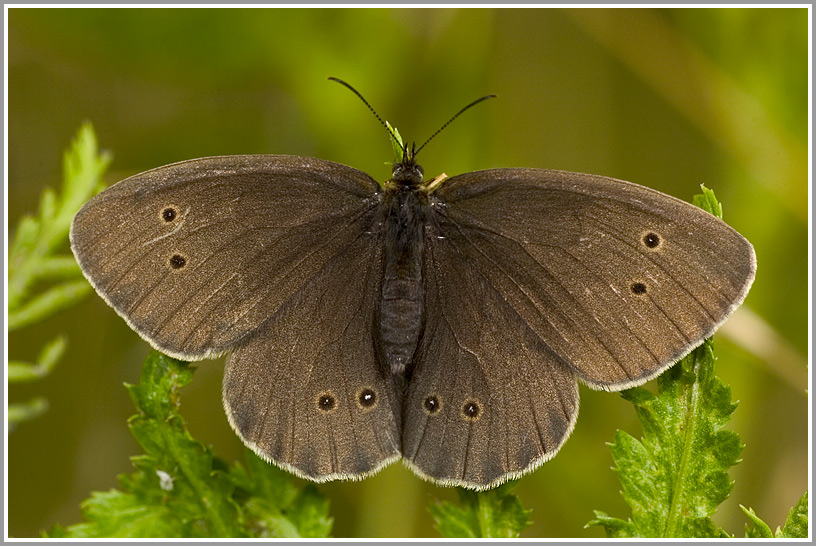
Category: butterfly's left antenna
[384,124]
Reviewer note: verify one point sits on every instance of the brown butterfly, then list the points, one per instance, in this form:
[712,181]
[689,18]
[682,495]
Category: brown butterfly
[445,323]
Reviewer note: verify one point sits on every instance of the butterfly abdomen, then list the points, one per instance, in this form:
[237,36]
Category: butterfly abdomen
[401,309]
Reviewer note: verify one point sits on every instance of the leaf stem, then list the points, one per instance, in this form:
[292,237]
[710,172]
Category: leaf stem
[678,490]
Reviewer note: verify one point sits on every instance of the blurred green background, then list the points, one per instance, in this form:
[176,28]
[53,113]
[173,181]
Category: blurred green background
[666,98]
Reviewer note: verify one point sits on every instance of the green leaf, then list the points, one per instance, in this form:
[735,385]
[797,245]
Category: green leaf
[25,411]
[32,263]
[396,141]
[796,524]
[615,528]
[38,237]
[708,202]
[120,515]
[760,528]
[677,474]
[488,514]
[181,489]
[277,508]
[59,267]
[199,489]
[48,205]
[49,355]
[47,303]
[25,238]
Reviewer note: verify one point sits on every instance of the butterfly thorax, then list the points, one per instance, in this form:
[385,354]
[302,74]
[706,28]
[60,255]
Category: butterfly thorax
[401,310]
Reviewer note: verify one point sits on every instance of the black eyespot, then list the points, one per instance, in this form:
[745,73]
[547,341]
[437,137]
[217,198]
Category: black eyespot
[471,410]
[639,288]
[177,261]
[169,214]
[367,398]
[651,240]
[326,402]
[432,404]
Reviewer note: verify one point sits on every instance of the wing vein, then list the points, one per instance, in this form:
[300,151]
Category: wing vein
[523,291]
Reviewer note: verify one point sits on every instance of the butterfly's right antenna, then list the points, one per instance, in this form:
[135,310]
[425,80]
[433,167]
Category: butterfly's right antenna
[459,113]
[384,124]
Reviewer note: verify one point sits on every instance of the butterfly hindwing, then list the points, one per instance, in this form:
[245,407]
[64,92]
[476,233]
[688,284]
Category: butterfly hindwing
[307,391]
[486,400]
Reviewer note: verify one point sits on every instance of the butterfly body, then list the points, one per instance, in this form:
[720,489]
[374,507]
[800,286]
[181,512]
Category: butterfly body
[442,324]
[405,211]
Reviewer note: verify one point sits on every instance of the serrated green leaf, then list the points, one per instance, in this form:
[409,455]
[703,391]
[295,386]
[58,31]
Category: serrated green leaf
[676,476]
[453,521]
[396,141]
[202,491]
[708,202]
[32,263]
[180,489]
[157,394]
[40,237]
[639,490]
[83,166]
[277,507]
[176,490]
[796,524]
[615,528]
[114,514]
[488,514]
[310,513]
[760,528]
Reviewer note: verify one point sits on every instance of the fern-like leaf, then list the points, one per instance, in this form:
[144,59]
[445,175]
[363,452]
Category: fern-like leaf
[180,489]
[488,514]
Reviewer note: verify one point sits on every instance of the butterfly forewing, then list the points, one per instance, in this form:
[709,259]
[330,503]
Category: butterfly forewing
[198,254]
[616,279]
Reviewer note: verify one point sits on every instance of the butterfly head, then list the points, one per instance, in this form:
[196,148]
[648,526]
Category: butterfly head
[407,172]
